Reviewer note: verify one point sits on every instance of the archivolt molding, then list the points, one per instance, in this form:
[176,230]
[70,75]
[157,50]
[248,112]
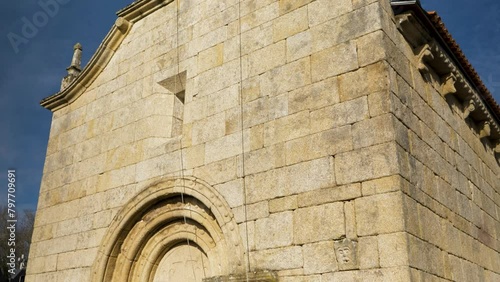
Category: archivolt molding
[126,19]
[431,57]
[156,220]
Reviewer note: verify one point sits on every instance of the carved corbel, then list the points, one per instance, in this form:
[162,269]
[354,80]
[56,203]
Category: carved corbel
[484,129]
[497,146]
[424,56]
[469,106]
[347,254]
[496,150]
[448,84]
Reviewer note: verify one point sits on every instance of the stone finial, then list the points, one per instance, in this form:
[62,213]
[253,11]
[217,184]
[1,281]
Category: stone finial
[346,253]
[76,62]
[75,68]
[485,129]
[122,24]
[448,84]
[469,106]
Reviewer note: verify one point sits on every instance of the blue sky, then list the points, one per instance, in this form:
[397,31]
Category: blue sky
[35,69]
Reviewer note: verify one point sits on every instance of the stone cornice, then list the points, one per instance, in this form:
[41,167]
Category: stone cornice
[126,18]
[431,56]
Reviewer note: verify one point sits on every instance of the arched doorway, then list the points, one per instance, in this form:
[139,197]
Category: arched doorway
[183,263]
[174,230]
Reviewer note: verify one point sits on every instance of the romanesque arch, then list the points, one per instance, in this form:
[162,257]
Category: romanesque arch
[173,227]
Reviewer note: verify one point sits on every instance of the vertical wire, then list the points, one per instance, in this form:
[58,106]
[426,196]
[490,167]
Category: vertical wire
[177,76]
[243,147]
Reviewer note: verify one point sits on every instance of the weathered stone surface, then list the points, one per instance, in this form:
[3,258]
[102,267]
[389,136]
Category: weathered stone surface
[290,24]
[319,257]
[334,61]
[324,10]
[290,5]
[274,231]
[368,250]
[393,249]
[267,58]
[328,195]
[339,114]
[367,163]
[379,214]
[278,259]
[287,77]
[283,204]
[310,224]
[301,136]
[371,79]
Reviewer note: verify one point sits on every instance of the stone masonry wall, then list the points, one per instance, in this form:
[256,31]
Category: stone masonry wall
[344,145]
[450,182]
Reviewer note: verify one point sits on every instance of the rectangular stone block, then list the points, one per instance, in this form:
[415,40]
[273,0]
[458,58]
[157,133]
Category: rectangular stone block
[260,16]
[223,148]
[283,204]
[329,195]
[334,61]
[369,254]
[370,79]
[318,223]
[257,210]
[384,274]
[274,231]
[77,259]
[314,96]
[286,6]
[287,128]
[299,45]
[312,175]
[286,78]
[232,192]
[393,249]
[221,171]
[379,214]
[290,24]
[367,163]
[267,58]
[319,258]
[373,131]
[255,112]
[325,143]
[256,38]
[383,185]
[217,78]
[208,129]
[339,114]
[425,256]
[277,259]
[324,10]
[351,26]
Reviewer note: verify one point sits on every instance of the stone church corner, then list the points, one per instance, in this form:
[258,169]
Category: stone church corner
[271,140]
